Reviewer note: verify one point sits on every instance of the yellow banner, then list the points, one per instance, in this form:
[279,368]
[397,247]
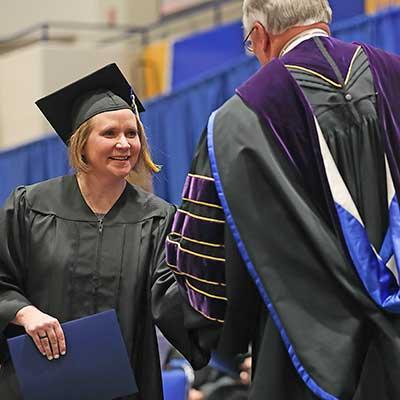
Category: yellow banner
[156,63]
[372,6]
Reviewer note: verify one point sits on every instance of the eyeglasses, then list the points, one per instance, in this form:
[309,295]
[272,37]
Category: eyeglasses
[247,42]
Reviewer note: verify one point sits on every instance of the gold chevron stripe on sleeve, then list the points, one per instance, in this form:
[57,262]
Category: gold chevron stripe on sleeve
[209,244]
[202,203]
[210,318]
[212,296]
[195,216]
[196,278]
[193,253]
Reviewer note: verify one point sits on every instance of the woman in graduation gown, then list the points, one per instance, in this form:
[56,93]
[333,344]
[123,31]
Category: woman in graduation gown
[78,245]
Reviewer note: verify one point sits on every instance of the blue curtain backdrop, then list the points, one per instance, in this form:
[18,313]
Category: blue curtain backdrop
[194,55]
[174,122]
[32,163]
[346,9]
[380,30]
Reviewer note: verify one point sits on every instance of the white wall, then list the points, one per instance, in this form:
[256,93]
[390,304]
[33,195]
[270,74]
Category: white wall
[16,15]
[131,12]
[31,73]
[21,82]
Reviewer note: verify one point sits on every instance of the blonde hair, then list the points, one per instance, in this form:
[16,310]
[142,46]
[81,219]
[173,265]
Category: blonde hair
[140,174]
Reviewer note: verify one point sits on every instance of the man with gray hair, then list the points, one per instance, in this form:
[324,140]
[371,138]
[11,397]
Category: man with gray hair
[287,238]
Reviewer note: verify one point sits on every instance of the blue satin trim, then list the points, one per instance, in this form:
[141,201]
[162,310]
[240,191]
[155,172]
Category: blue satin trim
[378,280]
[311,384]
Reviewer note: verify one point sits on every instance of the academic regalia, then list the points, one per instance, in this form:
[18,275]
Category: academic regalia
[260,244]
[58,255]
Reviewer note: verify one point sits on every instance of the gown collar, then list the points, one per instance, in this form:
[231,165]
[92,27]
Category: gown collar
[301,37]
[62,197]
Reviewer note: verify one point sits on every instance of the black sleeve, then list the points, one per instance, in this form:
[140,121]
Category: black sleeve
[13,239]
[169,308]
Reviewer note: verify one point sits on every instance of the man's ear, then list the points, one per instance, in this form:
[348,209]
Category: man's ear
[259,34]
[261,43]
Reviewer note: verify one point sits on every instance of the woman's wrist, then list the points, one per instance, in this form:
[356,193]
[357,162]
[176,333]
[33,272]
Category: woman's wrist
[19,318]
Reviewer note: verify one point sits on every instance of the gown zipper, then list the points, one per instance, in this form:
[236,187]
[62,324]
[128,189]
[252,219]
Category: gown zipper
[96,279]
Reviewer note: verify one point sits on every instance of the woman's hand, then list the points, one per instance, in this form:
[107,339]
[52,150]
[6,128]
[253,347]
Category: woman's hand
[44,330]
[195,394]
[245,374]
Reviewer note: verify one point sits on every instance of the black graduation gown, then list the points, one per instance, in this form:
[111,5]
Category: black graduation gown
[56,255]
[355,356]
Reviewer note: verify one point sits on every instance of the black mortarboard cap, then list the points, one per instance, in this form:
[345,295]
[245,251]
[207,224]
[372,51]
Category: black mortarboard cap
[104,90]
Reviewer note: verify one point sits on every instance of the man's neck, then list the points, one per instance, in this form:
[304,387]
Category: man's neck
[280,43]
[301,37]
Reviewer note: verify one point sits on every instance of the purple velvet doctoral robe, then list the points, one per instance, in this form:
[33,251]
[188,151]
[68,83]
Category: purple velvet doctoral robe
[257,204]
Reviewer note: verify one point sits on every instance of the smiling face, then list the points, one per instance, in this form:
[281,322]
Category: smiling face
[113,146]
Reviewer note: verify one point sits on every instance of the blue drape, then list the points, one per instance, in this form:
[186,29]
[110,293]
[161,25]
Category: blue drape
[193,55]
[33,162]
[174,122]
[346,9]
[380,30]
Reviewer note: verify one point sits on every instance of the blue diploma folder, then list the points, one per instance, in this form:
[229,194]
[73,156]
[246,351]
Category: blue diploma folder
[96,366]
